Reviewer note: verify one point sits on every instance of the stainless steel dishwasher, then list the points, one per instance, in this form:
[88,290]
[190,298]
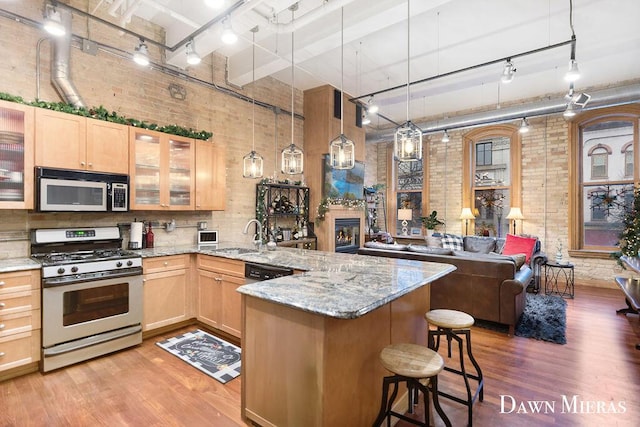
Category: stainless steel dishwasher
[254,272]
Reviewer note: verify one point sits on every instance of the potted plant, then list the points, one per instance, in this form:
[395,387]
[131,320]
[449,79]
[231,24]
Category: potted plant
[431,222]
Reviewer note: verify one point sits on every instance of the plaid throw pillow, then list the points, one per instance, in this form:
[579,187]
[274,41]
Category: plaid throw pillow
[453,242]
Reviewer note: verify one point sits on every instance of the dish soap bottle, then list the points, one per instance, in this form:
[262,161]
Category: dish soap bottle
[150,237]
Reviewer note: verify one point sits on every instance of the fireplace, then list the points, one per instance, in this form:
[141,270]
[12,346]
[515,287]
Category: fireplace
[347,235]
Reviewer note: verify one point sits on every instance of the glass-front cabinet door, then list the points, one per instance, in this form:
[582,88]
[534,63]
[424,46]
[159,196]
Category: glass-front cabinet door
[181,176]
[16,155]
[161,170]
[145,171]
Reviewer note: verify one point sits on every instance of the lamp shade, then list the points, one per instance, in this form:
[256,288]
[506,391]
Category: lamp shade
[466,214]
[515,213]
[405,214]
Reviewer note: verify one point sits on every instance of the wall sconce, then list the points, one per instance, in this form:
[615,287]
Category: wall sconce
[515,214]
[405,215]
[466,215]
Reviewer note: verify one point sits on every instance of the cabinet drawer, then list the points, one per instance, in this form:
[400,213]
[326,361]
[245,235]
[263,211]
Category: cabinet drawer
[165,263]
[11,324]
[19,281]
[232,267]
[16,302]
[19,349]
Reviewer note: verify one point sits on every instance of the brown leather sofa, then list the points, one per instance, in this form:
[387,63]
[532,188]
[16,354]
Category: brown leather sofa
[486,286]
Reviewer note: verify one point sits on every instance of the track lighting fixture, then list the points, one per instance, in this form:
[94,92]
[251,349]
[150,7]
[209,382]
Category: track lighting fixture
[372,107]
[342,153]
[214,4]
[253,162]
[53,22]
[574,73]
[407,141]
[445,136]
[292,161]
[508,72]
[192,56]
[141,54]
[524,125]
[366,120]
[570,111]
[228,35]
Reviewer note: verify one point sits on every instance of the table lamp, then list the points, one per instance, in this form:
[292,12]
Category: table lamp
[466,215]
[515,214]
[405,215]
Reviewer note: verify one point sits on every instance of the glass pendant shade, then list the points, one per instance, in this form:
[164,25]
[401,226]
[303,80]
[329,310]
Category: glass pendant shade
[342,153]
[253,165]
[407,144]
[292,160]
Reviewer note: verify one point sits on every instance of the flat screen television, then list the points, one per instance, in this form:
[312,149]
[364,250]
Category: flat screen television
[343,183]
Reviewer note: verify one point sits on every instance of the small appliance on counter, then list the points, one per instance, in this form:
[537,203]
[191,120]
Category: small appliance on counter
[207,237]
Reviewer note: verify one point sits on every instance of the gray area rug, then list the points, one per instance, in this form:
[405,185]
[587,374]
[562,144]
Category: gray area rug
[544,318]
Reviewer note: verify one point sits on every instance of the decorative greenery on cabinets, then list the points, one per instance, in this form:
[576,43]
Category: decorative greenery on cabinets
[101,113]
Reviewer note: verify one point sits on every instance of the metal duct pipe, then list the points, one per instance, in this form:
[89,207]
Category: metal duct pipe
[600,99]
[60,63]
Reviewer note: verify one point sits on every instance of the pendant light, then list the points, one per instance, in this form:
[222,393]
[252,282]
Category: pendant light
[341,149]
[253,162]
[292,160]
[407,141]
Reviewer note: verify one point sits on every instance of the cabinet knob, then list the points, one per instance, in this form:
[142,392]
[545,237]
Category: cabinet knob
[218,279]
[90,165]
[2,305]
[2,283]
[2,326]
[2,353]
[82,163]
[166,263]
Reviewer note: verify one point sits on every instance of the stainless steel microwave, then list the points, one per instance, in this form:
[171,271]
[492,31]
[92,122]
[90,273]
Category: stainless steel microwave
[63,190]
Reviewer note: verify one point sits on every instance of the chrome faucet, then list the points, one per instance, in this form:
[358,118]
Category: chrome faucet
[257,241]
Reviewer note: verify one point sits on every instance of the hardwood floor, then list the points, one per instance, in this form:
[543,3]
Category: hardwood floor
[147,386]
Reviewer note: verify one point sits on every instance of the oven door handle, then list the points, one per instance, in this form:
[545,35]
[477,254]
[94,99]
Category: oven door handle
[93,340]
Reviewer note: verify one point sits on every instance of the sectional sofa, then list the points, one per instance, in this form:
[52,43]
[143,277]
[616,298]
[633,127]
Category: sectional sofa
[490,281]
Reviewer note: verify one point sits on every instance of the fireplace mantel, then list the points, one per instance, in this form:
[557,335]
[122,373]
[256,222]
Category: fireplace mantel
[325,230]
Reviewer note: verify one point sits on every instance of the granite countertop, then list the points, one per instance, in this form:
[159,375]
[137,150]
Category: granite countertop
[18,264]
[343,286]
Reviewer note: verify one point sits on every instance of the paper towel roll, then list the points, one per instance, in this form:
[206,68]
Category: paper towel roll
[135,238]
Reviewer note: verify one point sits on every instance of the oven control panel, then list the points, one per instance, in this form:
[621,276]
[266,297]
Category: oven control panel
[72,234]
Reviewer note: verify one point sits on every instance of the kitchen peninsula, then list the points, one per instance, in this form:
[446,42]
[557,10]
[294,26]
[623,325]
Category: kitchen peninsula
[311,341]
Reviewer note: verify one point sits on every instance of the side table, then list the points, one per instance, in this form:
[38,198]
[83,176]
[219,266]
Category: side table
[553,271]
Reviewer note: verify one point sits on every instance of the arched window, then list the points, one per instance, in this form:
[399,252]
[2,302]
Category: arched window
[491,178]
[599,160]
[602,176]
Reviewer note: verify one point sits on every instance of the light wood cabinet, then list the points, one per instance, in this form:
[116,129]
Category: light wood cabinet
[219,304]
[16,155]
[19,318]
[68,141]
[161,170]
[210,176]
[166,291]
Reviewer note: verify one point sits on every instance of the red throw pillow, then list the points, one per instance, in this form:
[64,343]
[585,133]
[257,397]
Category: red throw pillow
[519,245]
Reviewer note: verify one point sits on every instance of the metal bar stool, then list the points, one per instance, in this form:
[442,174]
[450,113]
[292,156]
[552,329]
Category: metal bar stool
[410,363]
[454,324]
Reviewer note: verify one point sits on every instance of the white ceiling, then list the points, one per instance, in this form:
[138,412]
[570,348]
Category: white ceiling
[446,36]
